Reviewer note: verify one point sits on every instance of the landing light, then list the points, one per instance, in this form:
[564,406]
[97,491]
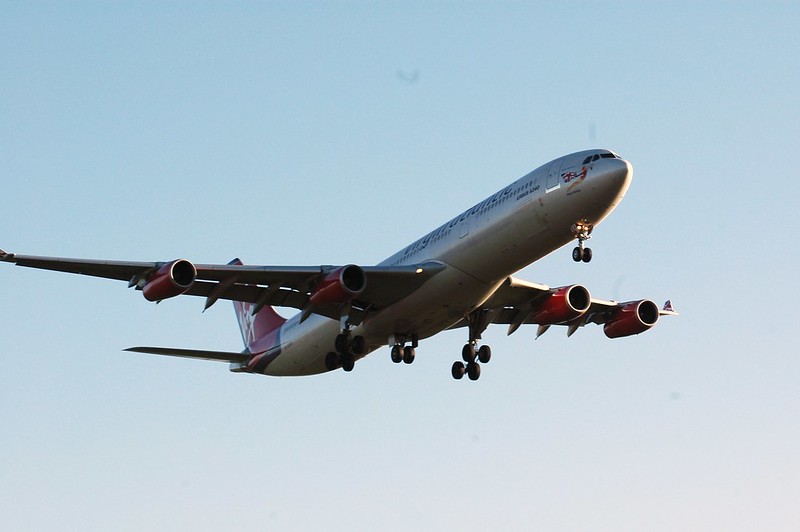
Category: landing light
[419,270]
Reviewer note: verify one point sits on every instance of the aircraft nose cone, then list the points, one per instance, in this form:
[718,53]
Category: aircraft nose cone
[614,179]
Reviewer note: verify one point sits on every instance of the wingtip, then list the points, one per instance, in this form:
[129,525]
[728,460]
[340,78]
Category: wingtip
[5,256]
[668,309]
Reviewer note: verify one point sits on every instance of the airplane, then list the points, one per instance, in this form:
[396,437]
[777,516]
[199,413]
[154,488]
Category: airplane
[457,276]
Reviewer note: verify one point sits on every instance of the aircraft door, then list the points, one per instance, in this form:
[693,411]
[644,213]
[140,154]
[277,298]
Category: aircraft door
[554,176]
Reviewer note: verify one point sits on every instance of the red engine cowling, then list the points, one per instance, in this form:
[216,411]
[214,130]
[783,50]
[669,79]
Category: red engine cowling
[632,318]
[172,279]
[566,303]
[339,286]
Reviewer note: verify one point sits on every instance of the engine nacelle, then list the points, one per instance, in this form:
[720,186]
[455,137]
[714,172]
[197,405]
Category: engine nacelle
[172,279]
[632,318]
[339,286]
[566,303]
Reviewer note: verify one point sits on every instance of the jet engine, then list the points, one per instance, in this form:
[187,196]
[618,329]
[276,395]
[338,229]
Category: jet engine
[566,303]
[172,279]
[339,286]
[632,318]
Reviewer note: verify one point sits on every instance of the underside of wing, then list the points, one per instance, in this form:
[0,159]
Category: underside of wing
[322,290]
[517,302]
[294,286]
[119,270]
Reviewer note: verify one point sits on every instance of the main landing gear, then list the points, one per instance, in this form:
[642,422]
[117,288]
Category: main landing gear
[472,369]
[347,349]
[471,354]
[404,353]
[582,230]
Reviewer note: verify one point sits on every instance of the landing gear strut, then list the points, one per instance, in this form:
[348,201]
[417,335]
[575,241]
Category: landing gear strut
[582,230]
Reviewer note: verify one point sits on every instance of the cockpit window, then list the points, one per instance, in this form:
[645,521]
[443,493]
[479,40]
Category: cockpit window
[596,156]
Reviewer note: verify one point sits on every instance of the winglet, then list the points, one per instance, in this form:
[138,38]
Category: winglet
[668,310]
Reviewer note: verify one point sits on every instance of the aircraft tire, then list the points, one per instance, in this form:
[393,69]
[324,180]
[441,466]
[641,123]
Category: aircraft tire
[473,371]
[409,353]
[342,344]
[485,354]
[397,354]
[348,362]
[359,345]
[577,256]
[468,353]
[587,255]
[331,361]
[458,370]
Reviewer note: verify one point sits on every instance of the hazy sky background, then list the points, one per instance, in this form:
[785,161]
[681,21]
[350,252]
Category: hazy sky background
[305,133]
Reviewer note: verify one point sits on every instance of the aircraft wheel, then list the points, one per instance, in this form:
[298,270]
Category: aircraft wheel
[331,361]
[408,354]
[468,353]
[577,255]
[458,370]
[359,345]
[397,354]
[473,371]
[485,354]
[348,362]
[342,343]
[587,255]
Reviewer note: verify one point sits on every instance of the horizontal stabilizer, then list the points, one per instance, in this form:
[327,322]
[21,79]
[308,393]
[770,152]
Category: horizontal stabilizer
[222,356]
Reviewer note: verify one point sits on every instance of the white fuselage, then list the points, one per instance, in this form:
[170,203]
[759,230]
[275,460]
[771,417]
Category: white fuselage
[480,248]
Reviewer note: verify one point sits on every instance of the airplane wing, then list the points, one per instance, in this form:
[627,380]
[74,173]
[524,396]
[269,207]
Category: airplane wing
[222,356]
[299,287]
[517,302]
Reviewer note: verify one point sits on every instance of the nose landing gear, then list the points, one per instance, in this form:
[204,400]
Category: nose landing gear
[582,231]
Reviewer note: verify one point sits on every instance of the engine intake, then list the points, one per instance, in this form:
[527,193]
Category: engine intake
[339,286]
[172,279]
[565,304]
[632,318]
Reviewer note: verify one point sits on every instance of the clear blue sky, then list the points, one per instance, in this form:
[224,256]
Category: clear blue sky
[298,133]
